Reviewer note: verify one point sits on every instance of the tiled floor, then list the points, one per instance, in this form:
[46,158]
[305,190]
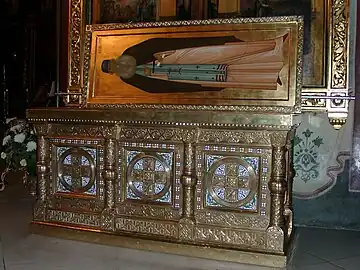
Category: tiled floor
[317,249]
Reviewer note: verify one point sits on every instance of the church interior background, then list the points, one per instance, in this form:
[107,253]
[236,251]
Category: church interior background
[326,189]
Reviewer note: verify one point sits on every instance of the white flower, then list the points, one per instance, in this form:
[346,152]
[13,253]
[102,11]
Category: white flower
[31,132]
[9,120]
[3,155]
[23,162]
[19,138]
[6,139]
[16,128]
[31,146]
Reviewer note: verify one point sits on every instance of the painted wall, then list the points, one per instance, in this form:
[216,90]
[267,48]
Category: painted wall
[336,207]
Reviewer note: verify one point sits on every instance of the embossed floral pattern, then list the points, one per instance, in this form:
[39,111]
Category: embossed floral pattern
[306,162]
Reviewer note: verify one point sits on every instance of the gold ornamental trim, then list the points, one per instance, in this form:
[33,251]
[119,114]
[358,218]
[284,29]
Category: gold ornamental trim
[76,30]
[339,44]
[101,131]
[110,119]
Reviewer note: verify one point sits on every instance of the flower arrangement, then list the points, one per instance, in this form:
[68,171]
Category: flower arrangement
[18,148]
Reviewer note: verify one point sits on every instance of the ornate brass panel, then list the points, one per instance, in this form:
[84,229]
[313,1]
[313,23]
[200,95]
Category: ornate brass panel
[74,203]
[75,162]
[233,178]
[147,211]
[231,237]
[151,172]
[221,185]
[83,219]
[76,166]
[147,227]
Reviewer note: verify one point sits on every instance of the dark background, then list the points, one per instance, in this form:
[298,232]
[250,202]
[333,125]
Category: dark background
[249,8]
[28,55]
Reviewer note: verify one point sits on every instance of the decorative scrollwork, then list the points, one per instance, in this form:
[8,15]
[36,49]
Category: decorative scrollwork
[75,36]
[299,67]
[317,101]
[234,136]
[155,134]
[230,236]
[75,218]
[148,211]
[242,20]
[339,59]
[231,219]
[42,167]
[153,227]
[76,204]
[42,129]
[278,138]
[100,131]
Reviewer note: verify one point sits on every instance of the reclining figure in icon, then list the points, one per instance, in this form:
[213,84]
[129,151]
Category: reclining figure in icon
[168,65]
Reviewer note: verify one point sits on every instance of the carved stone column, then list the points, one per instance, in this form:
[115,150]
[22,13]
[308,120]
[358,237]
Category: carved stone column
[43,156]
[188,181]
[277,186]
[109,174]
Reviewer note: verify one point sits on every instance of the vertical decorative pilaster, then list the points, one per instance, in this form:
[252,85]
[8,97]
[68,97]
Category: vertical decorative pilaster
[109,174]
[188,182]
[77,23]
[277,187]
[42,166]
[42,157]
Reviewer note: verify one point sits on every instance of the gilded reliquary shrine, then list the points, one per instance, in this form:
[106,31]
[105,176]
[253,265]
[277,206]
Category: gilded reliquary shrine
[178,133]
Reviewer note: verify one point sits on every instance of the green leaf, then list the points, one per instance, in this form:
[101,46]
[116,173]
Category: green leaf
[307,133]
[297,140]
[318,141]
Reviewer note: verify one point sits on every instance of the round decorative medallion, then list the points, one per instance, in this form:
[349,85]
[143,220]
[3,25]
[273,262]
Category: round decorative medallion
[231,182]
[76,170]
[148,176]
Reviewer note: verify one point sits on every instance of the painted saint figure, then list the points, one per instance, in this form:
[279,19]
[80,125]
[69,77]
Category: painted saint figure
[167,65]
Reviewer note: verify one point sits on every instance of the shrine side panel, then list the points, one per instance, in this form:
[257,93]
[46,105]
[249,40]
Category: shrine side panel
[232,197]
[148,187]
[75,187]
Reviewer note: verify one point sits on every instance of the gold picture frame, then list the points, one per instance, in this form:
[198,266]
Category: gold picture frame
[336,58]
[280,36]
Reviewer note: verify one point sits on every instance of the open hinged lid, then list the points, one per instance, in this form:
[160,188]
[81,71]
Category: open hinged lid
[234,64]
